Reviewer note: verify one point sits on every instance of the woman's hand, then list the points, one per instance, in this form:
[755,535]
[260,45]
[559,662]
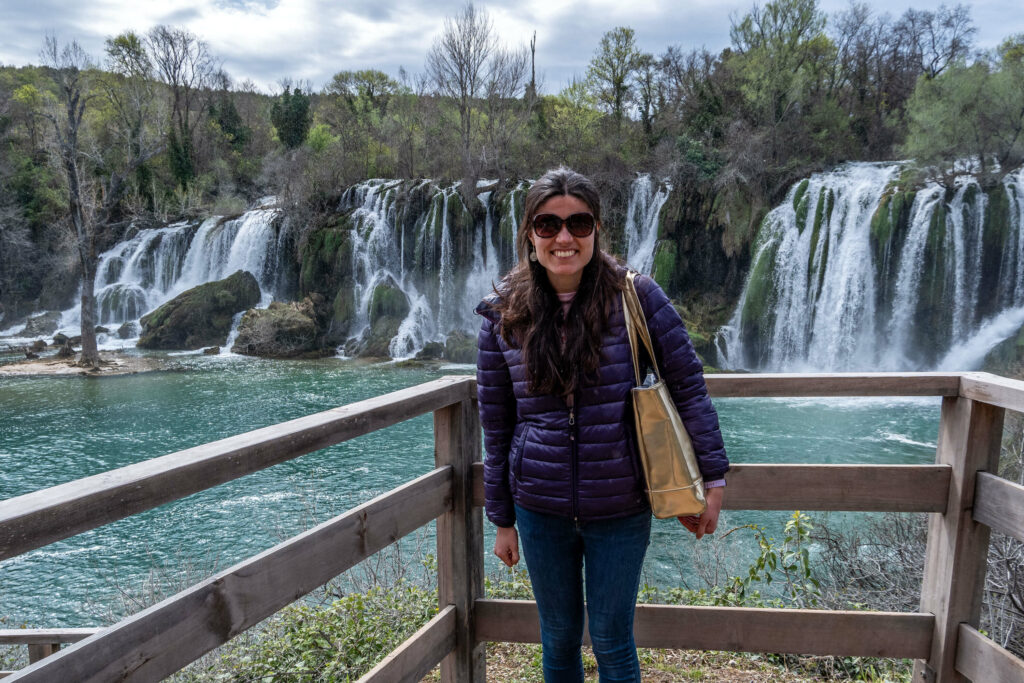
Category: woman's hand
[705,523]
[506,545]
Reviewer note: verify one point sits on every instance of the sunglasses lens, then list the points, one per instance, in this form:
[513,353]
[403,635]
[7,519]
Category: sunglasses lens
[547,225]
[580,224]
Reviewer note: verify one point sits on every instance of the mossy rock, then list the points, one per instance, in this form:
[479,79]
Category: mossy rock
[994,246]
[758,315]
[388,301]
[282,330]
[664,263]
[41,325]
[460,347]
[431,351]
[201,316]
[801,204]
[326,259]
[1007,357]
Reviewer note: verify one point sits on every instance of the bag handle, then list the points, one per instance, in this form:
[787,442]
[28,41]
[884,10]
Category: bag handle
[636,326]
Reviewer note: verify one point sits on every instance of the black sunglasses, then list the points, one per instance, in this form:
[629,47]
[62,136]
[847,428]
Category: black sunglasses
[548,224]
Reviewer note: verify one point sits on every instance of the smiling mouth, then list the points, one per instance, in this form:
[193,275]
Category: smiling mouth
[561,253]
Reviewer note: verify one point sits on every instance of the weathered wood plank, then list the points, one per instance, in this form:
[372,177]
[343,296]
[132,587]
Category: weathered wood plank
[999,504]
[160,640]
[834,384]
[900,488]
[993,389]
[955,557]
[30,636]
[37,651]
[738,629]
[984,661]
[413,659]
[42,517]
[460,576]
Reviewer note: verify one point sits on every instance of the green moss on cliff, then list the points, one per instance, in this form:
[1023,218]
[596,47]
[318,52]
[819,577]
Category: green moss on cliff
[801,203]
[664,263]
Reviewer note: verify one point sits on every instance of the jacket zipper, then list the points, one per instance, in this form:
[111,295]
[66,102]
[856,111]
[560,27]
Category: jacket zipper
[574,455]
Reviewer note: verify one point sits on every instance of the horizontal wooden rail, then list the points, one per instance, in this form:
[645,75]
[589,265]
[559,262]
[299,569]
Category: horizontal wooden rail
[738,629]
[999,504]
[162,639]
[36,519]
[993,389]
[792,385]
[878,488]
[40,636]
[984,661]
[414,658]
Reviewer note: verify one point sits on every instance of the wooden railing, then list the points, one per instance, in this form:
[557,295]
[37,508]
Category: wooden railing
[961,489]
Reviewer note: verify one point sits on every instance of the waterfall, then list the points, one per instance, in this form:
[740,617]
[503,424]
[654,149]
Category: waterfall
[139,274]
[641,230]
[485,272]
[856,271]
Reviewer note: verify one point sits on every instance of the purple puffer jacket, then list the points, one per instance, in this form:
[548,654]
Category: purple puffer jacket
[583,463]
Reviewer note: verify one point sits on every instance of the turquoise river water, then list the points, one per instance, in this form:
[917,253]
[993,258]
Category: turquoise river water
[53,430]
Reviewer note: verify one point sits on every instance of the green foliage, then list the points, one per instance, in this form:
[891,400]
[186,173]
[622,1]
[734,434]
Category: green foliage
[786,562]
[971,111]
[341,642]
[610,73]
[291,117]
[320,138]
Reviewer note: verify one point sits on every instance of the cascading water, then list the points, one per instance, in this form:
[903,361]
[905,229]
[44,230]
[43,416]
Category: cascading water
[138,275]
[641,230]
[855,272]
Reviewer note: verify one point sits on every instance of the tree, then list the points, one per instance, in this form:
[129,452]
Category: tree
[129,89]
[457,63]
[506,113]
[610,72]
[971,112]
[95,182]
[185,64]
[290,116]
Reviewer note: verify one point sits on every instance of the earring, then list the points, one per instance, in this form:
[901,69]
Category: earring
[533,256]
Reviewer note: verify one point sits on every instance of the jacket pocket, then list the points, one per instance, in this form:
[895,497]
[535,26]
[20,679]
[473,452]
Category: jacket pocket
[517,457]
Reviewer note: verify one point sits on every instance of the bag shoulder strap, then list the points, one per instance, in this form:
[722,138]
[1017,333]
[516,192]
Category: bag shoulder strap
[636,327]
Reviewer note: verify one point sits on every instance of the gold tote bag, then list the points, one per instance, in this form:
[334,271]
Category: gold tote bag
[674,484]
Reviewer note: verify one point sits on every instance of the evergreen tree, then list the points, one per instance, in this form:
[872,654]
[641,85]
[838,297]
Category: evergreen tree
[290,116]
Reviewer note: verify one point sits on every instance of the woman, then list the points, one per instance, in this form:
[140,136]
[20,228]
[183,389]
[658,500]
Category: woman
[554,375]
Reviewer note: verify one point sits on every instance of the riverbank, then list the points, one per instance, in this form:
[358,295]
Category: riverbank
[112,364]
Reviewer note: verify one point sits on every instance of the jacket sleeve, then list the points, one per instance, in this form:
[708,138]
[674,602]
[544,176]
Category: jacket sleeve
[498,418]
[684,374]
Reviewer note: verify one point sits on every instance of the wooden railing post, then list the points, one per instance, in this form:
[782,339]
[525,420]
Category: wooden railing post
[37,651]
[460,576]
[970,433]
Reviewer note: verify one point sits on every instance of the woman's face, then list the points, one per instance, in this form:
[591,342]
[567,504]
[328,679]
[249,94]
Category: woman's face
[564,256]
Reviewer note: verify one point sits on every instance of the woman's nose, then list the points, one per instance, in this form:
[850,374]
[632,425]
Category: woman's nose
[564,235]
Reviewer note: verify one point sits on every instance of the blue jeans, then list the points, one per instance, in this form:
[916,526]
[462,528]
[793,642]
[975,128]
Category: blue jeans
[605,557]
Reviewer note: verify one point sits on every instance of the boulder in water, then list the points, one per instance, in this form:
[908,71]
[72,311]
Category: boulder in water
[60,339]
[460,347]
[201,316]
[211,351]
[128,330]
[38,345]
[388,307]
[431,351]
[41,325]
[283,330]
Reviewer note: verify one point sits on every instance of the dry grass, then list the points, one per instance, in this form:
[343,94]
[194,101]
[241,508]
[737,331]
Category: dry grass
[520,663]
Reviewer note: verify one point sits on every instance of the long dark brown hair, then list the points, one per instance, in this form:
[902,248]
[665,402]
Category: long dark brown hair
[530,309]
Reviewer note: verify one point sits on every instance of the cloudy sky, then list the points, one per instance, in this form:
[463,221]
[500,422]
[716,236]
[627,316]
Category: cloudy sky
[266,40]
